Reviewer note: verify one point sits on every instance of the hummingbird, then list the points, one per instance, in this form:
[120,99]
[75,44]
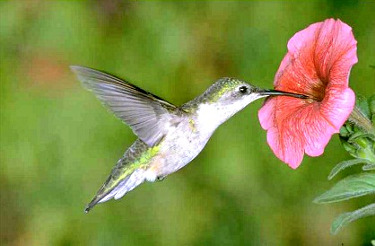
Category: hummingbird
[169,137]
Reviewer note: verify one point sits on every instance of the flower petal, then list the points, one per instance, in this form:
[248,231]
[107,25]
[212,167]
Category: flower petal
[322,53]
[316,130]
[266,114]
[337,106]
[318,64]
[321,120]
[282,136]
[297,72]
[335,52]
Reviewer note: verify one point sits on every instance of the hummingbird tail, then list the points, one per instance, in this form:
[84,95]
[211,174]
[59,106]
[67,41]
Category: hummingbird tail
[126,185]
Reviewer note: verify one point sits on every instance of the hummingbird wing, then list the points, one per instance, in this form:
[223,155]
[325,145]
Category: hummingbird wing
[148,116]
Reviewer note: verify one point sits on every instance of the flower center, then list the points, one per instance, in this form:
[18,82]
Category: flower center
[318,89]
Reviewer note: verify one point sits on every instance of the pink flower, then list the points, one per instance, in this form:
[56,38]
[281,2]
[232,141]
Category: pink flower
[317,64]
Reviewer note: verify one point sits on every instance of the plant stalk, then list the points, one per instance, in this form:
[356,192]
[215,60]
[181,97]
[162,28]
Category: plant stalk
[358,118]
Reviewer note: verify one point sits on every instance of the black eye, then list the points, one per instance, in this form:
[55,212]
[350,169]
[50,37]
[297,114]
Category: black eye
[243,89]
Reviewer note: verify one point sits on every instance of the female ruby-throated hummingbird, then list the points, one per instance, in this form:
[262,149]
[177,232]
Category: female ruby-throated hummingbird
[169,137]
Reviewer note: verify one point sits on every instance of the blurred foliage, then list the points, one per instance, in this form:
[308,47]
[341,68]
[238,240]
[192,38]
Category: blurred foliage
[58,144]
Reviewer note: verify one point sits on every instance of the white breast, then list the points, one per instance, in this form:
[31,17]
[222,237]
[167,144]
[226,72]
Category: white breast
[210,117]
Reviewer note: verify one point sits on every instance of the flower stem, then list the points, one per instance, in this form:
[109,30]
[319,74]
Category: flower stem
[358,118]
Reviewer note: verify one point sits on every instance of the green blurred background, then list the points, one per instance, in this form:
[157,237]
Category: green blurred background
[58,144]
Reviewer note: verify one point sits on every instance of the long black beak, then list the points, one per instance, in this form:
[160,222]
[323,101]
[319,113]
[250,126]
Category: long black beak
[281,93]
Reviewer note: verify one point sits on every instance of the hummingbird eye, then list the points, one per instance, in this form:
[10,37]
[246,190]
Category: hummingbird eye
[243,89]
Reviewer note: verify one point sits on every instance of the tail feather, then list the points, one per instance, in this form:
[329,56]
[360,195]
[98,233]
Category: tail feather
[137,178]
[128,184]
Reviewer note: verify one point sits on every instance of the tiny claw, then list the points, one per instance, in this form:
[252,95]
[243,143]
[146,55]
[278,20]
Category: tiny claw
[160,178]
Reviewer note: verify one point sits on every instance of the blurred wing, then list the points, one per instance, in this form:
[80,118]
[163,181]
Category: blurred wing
[148,115]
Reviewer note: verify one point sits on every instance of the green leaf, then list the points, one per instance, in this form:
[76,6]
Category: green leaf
[350,187]
[368,167]
[361,134]
[371,102]
[344,164]
[351,149]
[344,131]
[350,127]
[346,218]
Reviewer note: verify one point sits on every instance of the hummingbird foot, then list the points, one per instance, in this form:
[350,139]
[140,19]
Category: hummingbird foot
[160,178]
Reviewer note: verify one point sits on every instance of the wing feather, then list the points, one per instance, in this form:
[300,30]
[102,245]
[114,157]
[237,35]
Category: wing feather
[149,116]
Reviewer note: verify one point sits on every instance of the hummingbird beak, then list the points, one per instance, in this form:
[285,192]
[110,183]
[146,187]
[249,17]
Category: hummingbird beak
[263,92]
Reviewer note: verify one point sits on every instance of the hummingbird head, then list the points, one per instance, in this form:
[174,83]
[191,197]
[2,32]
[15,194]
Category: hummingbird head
[227,96]
[231,91]
[228,91]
